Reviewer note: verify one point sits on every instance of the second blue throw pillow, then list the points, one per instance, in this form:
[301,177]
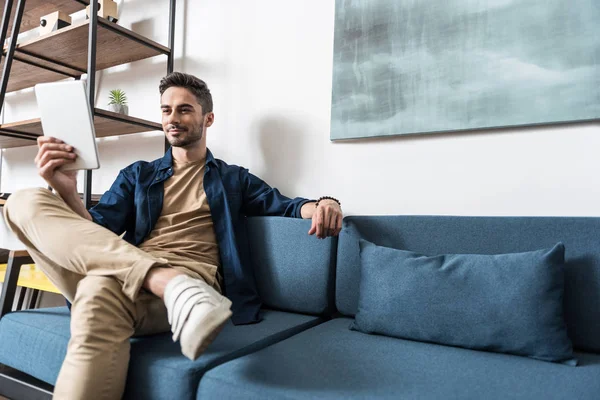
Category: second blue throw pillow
[508,303]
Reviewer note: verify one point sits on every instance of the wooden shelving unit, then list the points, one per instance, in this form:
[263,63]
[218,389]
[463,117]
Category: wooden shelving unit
[82,48]
[66,52]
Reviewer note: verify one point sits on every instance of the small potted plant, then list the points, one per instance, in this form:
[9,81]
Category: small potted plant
[118,102]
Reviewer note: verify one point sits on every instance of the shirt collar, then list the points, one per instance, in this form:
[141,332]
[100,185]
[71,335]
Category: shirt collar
[167,160]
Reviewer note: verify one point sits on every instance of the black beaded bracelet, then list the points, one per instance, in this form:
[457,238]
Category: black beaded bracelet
[327,198]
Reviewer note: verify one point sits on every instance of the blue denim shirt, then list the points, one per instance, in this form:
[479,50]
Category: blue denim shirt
[134,203]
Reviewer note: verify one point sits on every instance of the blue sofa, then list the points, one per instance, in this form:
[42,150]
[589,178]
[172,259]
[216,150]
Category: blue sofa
[304,349]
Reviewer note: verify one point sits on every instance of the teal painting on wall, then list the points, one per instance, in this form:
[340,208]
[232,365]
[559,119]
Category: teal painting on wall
[423,66]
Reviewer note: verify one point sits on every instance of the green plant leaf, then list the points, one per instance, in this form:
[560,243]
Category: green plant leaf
[117,96]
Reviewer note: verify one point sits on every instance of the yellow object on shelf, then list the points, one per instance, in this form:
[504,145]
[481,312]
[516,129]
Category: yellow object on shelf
[31,277]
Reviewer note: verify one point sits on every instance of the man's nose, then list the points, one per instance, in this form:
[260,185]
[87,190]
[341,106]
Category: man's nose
[173,118]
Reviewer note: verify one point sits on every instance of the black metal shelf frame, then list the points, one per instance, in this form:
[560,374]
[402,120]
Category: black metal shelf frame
[13,42]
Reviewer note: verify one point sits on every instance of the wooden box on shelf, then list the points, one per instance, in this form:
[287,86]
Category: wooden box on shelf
[53,22]
[106,9]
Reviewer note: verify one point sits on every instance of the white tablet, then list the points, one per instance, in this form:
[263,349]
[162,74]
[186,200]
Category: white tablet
[66,115]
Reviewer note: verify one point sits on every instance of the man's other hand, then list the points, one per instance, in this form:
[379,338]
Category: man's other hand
[326,219]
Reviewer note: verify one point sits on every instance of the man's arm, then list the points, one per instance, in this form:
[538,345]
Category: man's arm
[76,204]
[262,199]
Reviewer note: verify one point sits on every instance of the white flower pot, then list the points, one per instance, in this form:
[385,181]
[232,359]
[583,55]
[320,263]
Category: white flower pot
[118,108]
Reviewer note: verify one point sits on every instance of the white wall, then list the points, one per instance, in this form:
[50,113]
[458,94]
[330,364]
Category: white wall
[268,63]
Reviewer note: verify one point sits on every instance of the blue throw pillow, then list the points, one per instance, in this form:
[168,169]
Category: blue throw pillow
[506,303]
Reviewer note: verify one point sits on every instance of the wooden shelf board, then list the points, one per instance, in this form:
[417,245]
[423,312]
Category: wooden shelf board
[24,76]
[11,138]
[70,45]
[30,126]
[8,142]
[106,123]
[34,9]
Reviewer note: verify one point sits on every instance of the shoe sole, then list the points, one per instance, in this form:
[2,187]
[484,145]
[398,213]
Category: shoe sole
[214,323]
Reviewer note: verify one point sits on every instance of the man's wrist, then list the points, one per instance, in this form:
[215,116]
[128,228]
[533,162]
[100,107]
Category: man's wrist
[69,197]
[324,198]
[308,209]
[75,203]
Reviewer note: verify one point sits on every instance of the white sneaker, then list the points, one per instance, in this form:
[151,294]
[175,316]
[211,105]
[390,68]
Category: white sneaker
[197,313]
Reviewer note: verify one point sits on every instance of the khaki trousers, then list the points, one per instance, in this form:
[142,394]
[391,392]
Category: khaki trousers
[101,274]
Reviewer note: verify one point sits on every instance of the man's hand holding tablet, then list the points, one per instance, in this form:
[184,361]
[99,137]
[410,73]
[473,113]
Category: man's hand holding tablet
[69,141]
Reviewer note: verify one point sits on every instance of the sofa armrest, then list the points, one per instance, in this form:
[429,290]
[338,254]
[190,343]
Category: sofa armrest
[16,259]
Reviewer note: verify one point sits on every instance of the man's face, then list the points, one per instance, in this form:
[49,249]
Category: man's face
[182,119]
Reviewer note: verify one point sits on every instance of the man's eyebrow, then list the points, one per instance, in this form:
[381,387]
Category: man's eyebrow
[179,106]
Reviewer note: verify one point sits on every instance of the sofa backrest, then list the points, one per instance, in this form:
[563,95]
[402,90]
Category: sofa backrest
[433,235]
[293,271]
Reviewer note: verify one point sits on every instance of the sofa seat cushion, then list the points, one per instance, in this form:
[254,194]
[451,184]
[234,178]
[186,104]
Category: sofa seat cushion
[330,361]
[35,342]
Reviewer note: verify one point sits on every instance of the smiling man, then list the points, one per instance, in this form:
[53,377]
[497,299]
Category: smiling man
[177,216]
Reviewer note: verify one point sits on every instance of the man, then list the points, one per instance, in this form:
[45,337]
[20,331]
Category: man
[178,216]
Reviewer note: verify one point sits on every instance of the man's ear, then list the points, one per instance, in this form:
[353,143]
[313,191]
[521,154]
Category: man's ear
[209,118]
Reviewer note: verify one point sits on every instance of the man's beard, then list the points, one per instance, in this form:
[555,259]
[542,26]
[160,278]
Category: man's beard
[189,138]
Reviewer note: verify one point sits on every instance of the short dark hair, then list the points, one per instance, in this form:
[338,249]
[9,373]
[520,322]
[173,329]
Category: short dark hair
[195,85]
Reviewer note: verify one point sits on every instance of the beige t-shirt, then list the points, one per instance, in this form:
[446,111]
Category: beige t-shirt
[184,232]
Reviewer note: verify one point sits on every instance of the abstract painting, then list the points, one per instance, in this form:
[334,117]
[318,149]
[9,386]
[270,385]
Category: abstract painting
[423,66]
